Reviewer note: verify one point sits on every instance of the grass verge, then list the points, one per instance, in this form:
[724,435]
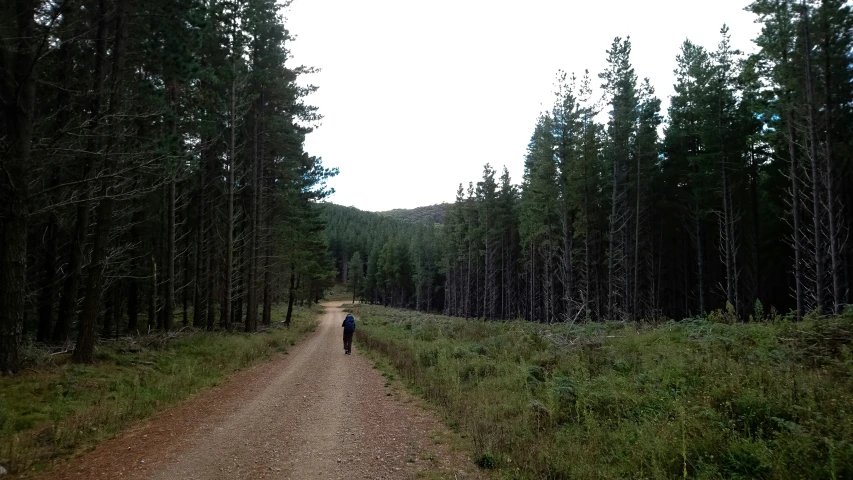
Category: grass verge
[683,399]
[58,408]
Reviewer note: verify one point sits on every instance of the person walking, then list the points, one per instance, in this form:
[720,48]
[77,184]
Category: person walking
[349,329]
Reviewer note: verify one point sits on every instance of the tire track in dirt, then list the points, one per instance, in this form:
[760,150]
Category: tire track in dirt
[313,414]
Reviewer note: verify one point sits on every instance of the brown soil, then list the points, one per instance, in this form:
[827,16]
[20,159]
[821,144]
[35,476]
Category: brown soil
[313,414]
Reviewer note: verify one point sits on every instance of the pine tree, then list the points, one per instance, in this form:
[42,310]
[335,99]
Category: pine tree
[356,276]
[620,85]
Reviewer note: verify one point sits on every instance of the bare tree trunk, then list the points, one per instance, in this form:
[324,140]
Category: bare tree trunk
[109,315]
[211,247]
[728,251]
[229,222]
[795,206]
[568,267]
[267,314]
[198,283]
[46,297]
[71,287]
[152,299]
[700,253]
[291,296]
[132,306]
[251,296]
[117,308]
[187,270]
[611,281]
[210,269]
[264,216]
[52,230]
[532,281]
[240,285]
[834,253]
[468,283]
[132,282]
[17,92]
[756,237]
[815,178]
[486,274]
[84,350]
[169,306]
[635,295]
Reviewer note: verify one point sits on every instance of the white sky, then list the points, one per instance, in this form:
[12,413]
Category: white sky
[418,95]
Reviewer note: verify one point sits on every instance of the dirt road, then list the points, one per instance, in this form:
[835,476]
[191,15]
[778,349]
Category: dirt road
[313,414]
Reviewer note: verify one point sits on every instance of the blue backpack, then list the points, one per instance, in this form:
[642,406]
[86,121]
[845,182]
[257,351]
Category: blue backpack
[349,324]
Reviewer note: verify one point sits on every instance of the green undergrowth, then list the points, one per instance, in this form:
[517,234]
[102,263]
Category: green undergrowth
[693,399]
[56,408]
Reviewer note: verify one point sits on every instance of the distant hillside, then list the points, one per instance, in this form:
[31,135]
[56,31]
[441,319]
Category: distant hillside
[430,214]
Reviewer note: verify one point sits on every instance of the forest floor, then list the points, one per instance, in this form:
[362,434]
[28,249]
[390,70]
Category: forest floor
[314,413]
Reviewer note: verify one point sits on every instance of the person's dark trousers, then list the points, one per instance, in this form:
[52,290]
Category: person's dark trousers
[348,342]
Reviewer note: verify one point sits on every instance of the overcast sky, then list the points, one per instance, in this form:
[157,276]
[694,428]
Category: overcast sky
[418,95]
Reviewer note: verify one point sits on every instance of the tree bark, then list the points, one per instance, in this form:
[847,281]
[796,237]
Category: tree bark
[700,263]
[815,179]
[198,281]
[291,297]
[71,287]
[17,92]
[132,306]
[48,283]
[152,297]
[834,254]
[795,203]
[611,294]
[84,350]
[169,304]
[251,295]
[756,237]
[229,222]
[635,296]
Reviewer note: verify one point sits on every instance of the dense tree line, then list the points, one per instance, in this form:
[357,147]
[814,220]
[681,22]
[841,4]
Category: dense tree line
[745,200]
[384,259]
[152,170]
[429,214]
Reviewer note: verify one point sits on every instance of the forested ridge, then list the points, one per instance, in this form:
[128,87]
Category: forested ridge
[153,170]
[384,259]
[739,200]
[428,214]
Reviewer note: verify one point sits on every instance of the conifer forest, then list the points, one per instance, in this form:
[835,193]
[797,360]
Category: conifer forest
[738,199]
[658,286]
[153,172]
[154,175]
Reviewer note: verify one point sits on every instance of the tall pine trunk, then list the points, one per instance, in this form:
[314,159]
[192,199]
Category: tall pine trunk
[84,350]
[795,204]
[700,257]
[169,305]
[199,319]
[815,169]
[252,267]
[635,295]
[229,221]
[834,253]
[291,296]
[611,281]
[18,93]
[71,286]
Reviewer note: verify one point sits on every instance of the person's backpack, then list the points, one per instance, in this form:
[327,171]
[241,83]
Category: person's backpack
[349,324]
